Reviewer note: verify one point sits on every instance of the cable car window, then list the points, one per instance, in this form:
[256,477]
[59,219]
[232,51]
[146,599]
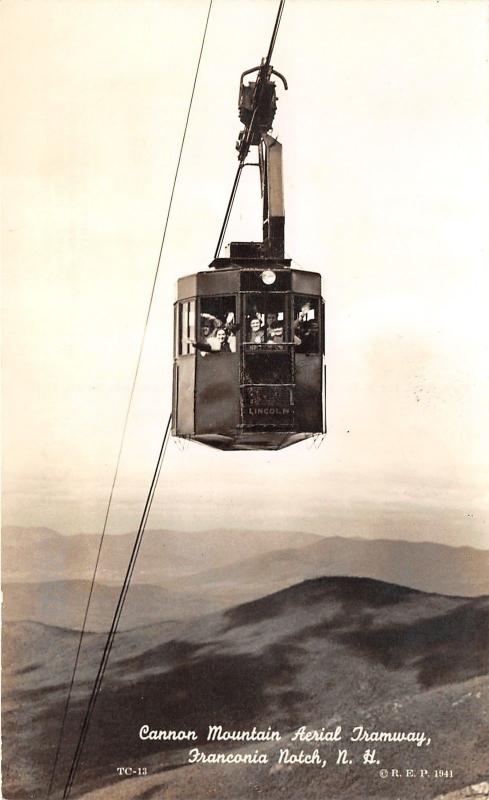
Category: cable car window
[306,324]
[186,327]
[265,320]
[217,325]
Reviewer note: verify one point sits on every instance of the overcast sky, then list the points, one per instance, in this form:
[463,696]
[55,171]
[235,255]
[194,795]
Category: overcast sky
[385,134]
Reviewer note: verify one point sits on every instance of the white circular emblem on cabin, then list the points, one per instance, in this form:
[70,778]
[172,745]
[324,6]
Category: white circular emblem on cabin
[268,277]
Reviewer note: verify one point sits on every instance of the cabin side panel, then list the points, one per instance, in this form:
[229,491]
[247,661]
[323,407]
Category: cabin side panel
[217,393]
[308,399]
[184,396]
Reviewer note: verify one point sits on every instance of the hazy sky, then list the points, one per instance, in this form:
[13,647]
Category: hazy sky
[385,134]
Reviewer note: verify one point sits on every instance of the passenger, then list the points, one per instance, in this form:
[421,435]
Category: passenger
[219,341]
[207,330]
[306,329]
[218,336]
[225,343]
[276,335]
[206,343]
[257,334]
[305,312]
[271,322]
[210,321]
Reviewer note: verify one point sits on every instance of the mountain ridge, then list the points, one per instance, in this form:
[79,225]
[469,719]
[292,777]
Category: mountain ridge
[167,555]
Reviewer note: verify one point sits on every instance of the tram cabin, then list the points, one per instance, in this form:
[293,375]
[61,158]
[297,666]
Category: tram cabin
[249,343]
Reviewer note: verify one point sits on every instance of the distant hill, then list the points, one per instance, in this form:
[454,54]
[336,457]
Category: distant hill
[63,604]
[462,571]
[39,554]
[326,652]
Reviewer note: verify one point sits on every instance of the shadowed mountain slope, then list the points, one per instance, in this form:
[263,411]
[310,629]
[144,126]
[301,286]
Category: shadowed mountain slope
[328,651]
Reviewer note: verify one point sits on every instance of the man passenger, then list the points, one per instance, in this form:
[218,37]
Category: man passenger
[276,334]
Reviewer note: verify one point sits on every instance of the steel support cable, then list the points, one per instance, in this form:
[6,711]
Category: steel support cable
[117,615]
[249,136]
[275,32]
[262,77]
[230,204]
[228,210]
[124,428]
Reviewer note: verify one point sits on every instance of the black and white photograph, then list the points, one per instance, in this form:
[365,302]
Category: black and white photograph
[245,361]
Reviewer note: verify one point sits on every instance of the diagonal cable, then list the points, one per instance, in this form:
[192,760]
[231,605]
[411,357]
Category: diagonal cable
[117,615]
[124,429]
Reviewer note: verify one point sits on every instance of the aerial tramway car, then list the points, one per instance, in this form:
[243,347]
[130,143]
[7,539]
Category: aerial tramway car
[249,331]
